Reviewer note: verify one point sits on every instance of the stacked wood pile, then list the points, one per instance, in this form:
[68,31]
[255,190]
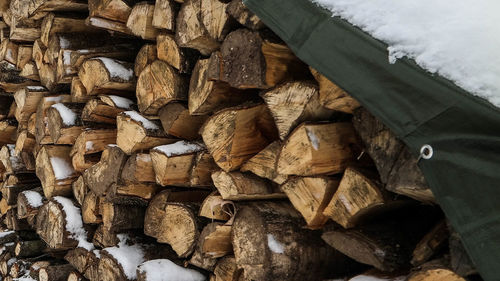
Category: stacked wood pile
[182,140]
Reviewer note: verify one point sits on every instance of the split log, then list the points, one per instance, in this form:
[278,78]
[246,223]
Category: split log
[6,102]
[14,223]
[140,21]
[10,193]
[80,189]
[76,276]
[107,171]
[116,218]
[103,238]
[391,157]
[216,208]
[11,160]
[182,59]
[136,133]
[201,171]
[158,85]
[28,203]
[110,25]
[98,111]
[267,233]
[145,56]
[131,193]
[24,55]
[25,142]
[42,134]
[215,19]
[103,75]
[138,169]
[64,123]
[55,272]
[78,91]
[84,261]
[434,241]
[8,128]
[90,209]
[30,248]
[178,122]
[434,270]
[36,266]
[39,50]
[314,149]
[227,270]
[8,51]
[53,23]
[251,61]
[237,186]
[88,146]
[53,168]
[215,240]
[164,14]
[207,96]
[244,16]
[198,260]
[24,29]
[19,268]
[310,196]
[30,71]
[263,164]
[235,135]
[294,102]
[115,10]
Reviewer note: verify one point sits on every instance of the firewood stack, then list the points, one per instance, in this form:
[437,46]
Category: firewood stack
[182,140]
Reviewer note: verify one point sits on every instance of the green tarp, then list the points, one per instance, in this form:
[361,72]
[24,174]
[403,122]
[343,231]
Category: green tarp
[420,108]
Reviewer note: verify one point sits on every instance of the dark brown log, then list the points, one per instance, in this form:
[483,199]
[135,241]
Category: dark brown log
[131,193]
[15,223]
[176,121]
[29,202]
[53,23]
[102,175]
[84,261]
[164,267]
[227,270]
[55,272]
[11,161]
[117,218]
[30,248]
[430,244]
[80,189]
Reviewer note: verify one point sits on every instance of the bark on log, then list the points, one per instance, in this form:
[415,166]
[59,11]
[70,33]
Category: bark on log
[51,226]
[215,240]
[42,134]
[27,100]
[138,169]
[244,16]
[96,110]
[430,244]
[117,218]
[30,248]
[29,202]
[80,189]
[55,272]
[88,147]
[216,208]
[146,56]
[84,261]
[102,175]
[90,209]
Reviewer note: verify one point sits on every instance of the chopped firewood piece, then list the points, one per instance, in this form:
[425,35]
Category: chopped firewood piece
[158,85]
[27,99]
[138,169]
[42,134]
[64,122]
[310,196]
[11,160]
[115,10]
[215,240]
[164,15]
[8,128]
[182,59]
[315,149]
[176,121]
[29,202]
[140,21]
[8,51]
[102,175]
[227,269]
[30,71]
[215,18]
[53,23]
[24,29]
[117,217]
[96,110]
[243,15]
[78,91]
[216,208]
[88,146]
[263,164]
[55,272]
[146,56]
[53,167]
[131,193]
[84,261]
[136,133]
[238,186]
[235,135]
[80,189]
[434,270]
[430,244]
[111,25]
[24,55]
[90,209]
[103,75]
[30,248]
[25,143]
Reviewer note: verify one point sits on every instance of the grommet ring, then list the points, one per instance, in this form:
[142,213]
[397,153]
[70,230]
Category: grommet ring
[426,152]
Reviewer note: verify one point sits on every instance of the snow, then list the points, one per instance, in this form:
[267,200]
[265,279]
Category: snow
[67,57]
[116,69]
[62,169]
[144,157]
[129,257]
[27,277]
[121,102]
[89,145]
[5,233]
[179,148]
[74,223]
[274,245]
[458,39]
[139,118]
[166,270]
[67,115]
[11,261]
[373,278]
[54,99]
[36,88]
[97,253]
[34,198]
[63,42]
[313,139]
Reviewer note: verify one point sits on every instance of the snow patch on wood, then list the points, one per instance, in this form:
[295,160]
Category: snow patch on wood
[74,222]
[166,270]
[141,119]
[34,198]
[121,102]
[89,145]
[180,148]
[67,115]
[128,256]
[116,69]
[5,233]
[62,169]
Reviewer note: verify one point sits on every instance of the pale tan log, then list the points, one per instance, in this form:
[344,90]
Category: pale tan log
[117,218]
[27,99]
[55,182]
[244,16]
[39,50]
[201,172]
[8,128]
[146,56]
[227,270]
[11,192]
[8,51]
[24,29]
[158,85]
[435,270]
[198,260]
[235,135]
[164,15]
[216,208]
[310,196]
[47,75]
[114,26]
[40,6]
[140,21]
[11,161]
[190,31]
[116,10]
[263,164]
[141,134]
[182,59]
[101,75]
[102,175]
[238,186]
[80,189]
[76,276]
[207,96]
[176,121]
[138,169]
[78,91]
[96,110]
[4,206]
[25,142]
[42,134]
[293,103]
[28,207]
[215,240]
[18,269]
[90,209]
[64,122]
[84,261]
[24,55]
[30,71]
[53,23]
[315,149]
[89,145]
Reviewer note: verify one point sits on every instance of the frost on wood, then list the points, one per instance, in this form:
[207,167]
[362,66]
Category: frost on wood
[128,256]
[121,102]
[166,270]
[141,119]
[274,245]
[460,42]
[67,115]
[62,169]
[180,147]
[116,70]
[74,222]
[34,198]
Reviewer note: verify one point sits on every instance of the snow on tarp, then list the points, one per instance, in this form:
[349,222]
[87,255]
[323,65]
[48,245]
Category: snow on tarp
[179,148]
[116,69]
[62,169]
[74,222]
[459,40]
[121,102]
[67,115]
[128,256]
[166,270]
[34,198]
[139,118]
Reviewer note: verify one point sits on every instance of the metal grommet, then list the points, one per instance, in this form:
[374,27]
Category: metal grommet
[426,152]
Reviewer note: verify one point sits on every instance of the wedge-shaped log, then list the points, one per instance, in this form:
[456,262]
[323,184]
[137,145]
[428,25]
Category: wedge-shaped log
[53,23]
[10,192]
[145,56]
[164,14]
[136,133]
[235,135]
[173,163]
[244,16]
[176,121]
[25,142]
[216,208]
[27,99]
[272,233]
[315,149]
[84,261]
[182,59]
[310,196]
[64,122]
[42,134]
[115,10]
[132,193]
[215,240]
[78,91]
[80,189]
[227,269]
[263,164]
[88,147]
[103,75]
[102,175]
[110,25]
[8,128]
[30,71]
[138,169]
[293,103]
[97,110]
[24,55]
[332,96]
[158,85]
[24,29]
[8,51]
[53,168]
[90,209]
[434,270]
[433,242]
[30,248]
[215,19]
[238,186]
[140,21]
